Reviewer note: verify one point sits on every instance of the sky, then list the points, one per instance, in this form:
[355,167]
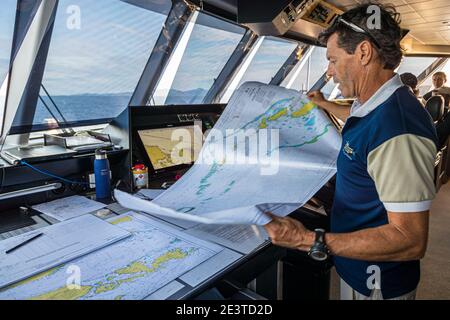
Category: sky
[319,64]
[7,17]
[270,58]
[103,49]
[206,54]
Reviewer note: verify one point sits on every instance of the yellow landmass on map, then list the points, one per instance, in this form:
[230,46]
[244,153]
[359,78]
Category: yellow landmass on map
[135,267]
[138,270]
[31,279]
[263,123]
[122,220]
[64,293]
[171,255]
[157,156]
[278,115]
[130,279]
[156,153]
[115,284]
[106,287]
[303,110]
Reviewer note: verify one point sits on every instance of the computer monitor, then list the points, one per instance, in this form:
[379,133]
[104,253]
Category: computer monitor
[172,146]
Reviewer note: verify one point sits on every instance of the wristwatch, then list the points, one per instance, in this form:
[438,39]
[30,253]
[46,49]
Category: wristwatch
[319,250]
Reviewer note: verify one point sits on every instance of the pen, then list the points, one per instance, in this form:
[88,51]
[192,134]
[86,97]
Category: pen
[24,243]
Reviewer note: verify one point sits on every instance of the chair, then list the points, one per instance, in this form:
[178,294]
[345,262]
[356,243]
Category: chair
[435,107]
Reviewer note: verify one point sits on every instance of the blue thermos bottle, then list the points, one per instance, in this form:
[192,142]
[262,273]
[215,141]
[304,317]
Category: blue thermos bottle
[102,175]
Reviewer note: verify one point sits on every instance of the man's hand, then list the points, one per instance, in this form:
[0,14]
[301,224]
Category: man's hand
[290,233]
[317,98]
[340,111]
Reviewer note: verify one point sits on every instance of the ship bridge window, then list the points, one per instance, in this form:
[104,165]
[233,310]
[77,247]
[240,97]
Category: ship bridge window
[330,90]
[97,54]
[427,85]
[268,60]
[210,44]
[312,70]
[7,18]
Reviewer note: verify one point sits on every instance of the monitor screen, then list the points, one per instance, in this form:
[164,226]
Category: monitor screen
[172,146]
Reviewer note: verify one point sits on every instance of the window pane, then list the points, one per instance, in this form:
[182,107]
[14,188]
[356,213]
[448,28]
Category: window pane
[268,60]
[319,64]
[312,70]
[328,89]
[96,57]
[7,18]
[427,85]
[210,46]
[416,65]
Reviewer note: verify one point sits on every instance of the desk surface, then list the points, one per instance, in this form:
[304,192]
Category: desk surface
[190,283]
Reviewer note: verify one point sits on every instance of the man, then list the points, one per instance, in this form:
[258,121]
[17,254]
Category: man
[385,179]
[411,81]
[439,80]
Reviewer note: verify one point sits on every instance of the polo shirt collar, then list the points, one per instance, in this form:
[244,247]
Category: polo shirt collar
[380,96]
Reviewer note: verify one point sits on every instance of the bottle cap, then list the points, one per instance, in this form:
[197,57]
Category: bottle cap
[100,154]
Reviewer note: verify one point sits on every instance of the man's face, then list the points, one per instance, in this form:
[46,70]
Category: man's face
[343,67]
[438,80]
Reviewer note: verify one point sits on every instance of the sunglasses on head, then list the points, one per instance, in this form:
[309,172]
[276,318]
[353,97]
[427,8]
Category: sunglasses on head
[358,29]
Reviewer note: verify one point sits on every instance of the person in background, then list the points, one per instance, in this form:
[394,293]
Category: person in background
[411,81]
[439,80]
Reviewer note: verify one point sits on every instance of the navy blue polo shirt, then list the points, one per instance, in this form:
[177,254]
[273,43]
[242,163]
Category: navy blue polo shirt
[386,163]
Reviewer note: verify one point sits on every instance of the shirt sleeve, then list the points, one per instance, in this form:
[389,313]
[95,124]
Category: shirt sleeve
[403,171]
[444,90]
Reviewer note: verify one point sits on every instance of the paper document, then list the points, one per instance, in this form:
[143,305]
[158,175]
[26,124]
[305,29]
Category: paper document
[271,150]
[81,140]
[152,257]
[241,238]
[151,194]
[210,267]
[68,208]
[166,291]
[59,243]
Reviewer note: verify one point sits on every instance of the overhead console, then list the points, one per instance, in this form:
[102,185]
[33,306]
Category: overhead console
[276,18]
[300,20]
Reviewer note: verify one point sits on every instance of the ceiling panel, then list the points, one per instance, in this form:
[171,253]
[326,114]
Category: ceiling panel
[436,12]
[425,5]
[424,18]
[437,19]
[394,2]
[413,22]
[405,9]
[411,16]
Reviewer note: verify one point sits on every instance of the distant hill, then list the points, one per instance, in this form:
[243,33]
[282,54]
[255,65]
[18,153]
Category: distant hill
[186,97]
[118,94]
[194,96]
[90,106]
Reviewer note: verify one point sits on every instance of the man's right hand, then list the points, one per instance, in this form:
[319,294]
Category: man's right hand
[317,98]
[340,111]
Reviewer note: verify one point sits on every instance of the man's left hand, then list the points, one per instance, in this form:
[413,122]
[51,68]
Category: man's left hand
[289,233]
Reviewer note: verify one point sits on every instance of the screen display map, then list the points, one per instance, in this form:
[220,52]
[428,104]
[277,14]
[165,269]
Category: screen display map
[169,147]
